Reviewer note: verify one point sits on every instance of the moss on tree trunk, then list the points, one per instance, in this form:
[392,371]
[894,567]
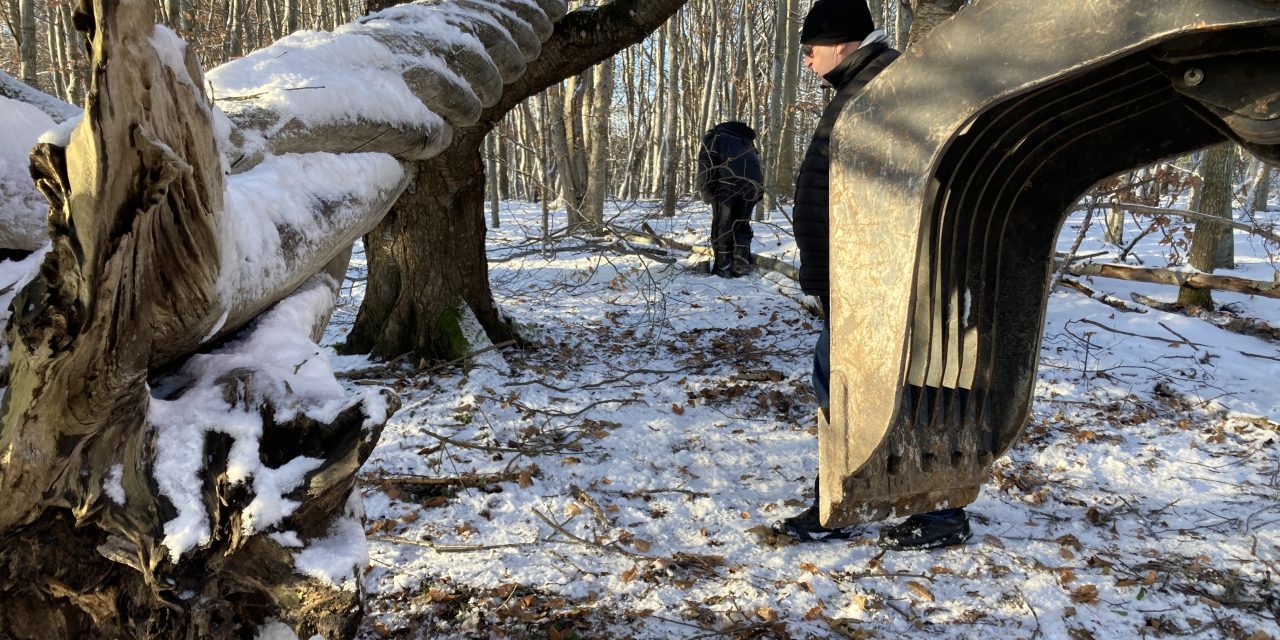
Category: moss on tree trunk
[426,259]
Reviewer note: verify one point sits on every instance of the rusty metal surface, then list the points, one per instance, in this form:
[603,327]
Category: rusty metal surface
[951,174]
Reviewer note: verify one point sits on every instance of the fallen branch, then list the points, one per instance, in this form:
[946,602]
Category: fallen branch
[1139,335]
[572,539]
[640,493]
[367,372]
[448,548]
[1193,279]
[1229,322]
[1196,216]
[1104,298]
[474,481]
[648,236]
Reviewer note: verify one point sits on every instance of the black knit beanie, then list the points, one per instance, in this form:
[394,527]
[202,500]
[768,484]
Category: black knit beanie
[837,21]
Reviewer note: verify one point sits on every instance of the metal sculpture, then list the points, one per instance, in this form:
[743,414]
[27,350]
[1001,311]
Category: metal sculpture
[951,176]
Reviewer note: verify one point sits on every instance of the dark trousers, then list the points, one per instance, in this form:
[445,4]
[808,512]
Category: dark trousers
[731,236]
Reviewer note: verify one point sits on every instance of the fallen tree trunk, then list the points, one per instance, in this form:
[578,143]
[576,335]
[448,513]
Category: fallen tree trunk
[153,494]
[1193,279]
[133,515]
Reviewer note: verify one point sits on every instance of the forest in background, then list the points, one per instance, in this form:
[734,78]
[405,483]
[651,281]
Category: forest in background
[636,121]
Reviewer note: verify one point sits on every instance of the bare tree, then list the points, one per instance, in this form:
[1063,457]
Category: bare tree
[1214,199]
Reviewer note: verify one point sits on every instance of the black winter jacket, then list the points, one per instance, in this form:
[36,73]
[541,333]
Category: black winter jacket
[810,217]
[728,165]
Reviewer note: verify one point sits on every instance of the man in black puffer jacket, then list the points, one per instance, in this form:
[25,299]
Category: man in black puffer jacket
[729,180]
[842,46]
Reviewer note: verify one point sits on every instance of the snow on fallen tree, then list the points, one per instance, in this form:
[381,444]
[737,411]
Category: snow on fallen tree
[155,493]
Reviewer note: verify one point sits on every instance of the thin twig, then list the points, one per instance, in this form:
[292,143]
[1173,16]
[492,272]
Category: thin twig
[612,546]
[452,481]
[1034,615]
[449,548]
[367,372]
[1184,338]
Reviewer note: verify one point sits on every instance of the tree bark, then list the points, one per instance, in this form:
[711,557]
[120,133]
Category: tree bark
[27,42]
[1206,241]
[85,549]
[410,311]
[927,14]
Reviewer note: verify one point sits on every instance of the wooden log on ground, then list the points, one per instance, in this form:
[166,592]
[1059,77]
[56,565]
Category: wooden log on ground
[1193,279]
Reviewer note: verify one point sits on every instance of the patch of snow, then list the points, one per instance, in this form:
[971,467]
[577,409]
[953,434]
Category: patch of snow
[23,209]
[290,371]
[276,630]
[112,484]
[338,558]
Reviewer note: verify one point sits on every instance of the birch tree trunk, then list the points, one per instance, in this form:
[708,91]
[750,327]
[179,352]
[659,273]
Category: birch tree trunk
[597,171]
[1114,233]
[711,88]
[27,43]
[670,128]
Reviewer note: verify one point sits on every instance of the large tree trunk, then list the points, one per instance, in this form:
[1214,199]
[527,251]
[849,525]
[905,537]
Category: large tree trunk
[415,298]
[427,266]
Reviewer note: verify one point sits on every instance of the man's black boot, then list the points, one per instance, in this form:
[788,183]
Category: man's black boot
[804,527]
[927,531]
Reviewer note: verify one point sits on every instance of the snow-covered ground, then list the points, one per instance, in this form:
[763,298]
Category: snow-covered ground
[616,479]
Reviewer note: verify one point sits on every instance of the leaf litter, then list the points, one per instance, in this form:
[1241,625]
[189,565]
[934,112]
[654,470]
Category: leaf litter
[619,477]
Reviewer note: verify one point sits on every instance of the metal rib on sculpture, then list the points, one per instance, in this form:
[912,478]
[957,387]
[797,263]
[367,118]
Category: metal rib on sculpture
[951,174]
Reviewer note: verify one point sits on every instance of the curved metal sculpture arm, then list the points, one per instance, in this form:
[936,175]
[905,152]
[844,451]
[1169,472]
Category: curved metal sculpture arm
[951,174]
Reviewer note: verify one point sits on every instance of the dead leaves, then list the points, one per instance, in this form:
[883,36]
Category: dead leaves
[920,591]
[766,536]
[1085,594]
